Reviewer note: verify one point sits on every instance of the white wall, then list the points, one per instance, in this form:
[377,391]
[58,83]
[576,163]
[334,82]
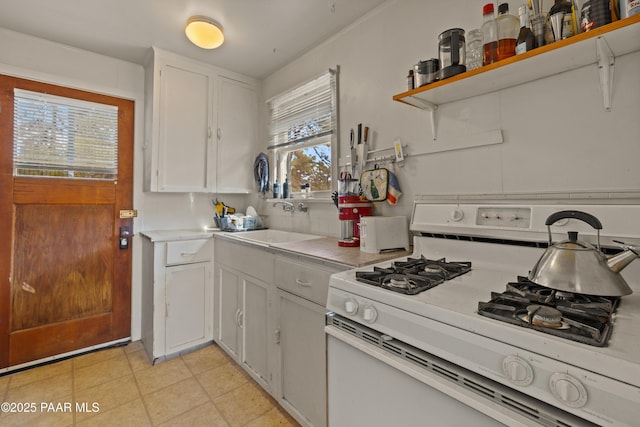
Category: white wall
[557,136]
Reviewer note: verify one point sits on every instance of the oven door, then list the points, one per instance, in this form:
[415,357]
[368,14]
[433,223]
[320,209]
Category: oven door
[368,386]
[376,380]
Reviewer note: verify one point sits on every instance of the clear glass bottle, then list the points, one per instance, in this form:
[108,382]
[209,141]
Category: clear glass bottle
[508,26]
[474,49]
[525,41]
[538,23]
[489,35]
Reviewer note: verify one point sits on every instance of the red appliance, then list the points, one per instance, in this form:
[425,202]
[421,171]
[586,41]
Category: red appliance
[351,207]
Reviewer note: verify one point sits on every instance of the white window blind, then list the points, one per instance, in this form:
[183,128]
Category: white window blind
[55,136]
[304,112]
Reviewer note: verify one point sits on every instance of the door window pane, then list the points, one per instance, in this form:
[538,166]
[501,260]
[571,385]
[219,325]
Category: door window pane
[64,137]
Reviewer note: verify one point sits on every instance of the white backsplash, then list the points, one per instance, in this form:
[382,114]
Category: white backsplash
[321,217]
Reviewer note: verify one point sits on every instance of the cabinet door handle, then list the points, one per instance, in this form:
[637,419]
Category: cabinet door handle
[277,336]
[209,132]
[188,253]
[219,134]
[304,283]
[237,317]
[240,318]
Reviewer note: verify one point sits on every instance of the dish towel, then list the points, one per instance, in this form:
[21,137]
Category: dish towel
[394,191]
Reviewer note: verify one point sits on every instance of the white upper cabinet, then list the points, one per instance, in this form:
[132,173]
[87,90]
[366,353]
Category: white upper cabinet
[236,134]
[201,127]
[184,125]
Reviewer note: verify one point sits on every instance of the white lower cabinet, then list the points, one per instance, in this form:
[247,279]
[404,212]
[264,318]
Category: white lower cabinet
[242,325]
[270,318]
[302,385]
[228,293]
[301,350]
[177,295]
[187,295]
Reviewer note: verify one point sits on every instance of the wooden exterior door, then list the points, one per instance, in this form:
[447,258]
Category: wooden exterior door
[65,283]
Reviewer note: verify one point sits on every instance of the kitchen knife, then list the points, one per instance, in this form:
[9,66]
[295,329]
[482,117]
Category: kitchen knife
[365,148]
[360,162]
[353,154]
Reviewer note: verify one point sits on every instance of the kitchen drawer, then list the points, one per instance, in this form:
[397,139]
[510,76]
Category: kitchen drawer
[253,261]
[304,279]
[189,251]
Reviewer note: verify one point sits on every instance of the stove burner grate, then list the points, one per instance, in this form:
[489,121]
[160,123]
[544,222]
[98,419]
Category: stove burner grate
[414,275]
[584,318]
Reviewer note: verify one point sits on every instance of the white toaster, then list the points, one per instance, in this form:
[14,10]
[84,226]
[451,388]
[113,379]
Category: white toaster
[380,233]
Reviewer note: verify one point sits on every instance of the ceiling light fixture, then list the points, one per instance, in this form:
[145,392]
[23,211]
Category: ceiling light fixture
[204,32]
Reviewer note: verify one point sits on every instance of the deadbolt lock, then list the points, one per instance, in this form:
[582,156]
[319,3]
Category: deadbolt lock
[128,213]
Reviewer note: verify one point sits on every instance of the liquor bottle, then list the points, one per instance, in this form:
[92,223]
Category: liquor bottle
[285,188]
[594,13]
[525,41]
[508,26]
[489,35]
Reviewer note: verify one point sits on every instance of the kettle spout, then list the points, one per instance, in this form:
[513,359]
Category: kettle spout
[618,262]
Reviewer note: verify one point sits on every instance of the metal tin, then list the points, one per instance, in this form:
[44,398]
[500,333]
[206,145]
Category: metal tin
[426,72]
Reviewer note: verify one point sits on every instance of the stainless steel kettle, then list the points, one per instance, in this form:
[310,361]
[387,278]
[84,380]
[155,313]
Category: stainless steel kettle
[576,266]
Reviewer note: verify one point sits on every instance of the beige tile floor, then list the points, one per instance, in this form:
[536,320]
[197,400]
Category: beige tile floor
[120,387]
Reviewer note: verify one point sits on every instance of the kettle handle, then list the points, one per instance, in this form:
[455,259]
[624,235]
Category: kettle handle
[582,216]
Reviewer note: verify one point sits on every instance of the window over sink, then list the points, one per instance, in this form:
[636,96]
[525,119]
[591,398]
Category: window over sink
[303,133]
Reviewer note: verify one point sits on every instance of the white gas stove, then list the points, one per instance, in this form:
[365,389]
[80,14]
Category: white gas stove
[513,373]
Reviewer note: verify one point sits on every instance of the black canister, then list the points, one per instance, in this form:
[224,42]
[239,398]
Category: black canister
[594,14]
[452,53]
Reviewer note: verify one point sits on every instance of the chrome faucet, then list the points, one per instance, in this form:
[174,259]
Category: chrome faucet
[286,206]
[290,207]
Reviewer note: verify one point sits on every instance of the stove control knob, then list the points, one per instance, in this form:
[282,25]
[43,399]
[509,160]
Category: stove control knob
[456,215]
[351,306]
[517,370]
[369,314]
[568,390]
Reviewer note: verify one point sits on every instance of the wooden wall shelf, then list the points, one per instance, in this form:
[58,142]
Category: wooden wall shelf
[599,46]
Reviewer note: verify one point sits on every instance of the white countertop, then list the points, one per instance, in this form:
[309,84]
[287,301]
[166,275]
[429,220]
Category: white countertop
[169,235]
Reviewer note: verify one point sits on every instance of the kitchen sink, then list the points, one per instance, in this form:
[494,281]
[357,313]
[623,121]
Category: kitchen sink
[270,237]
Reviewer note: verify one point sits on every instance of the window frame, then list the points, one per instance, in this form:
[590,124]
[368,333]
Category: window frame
[281,153]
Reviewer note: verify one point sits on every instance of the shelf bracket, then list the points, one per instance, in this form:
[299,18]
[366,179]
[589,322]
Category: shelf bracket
[605,70]
[426,105]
